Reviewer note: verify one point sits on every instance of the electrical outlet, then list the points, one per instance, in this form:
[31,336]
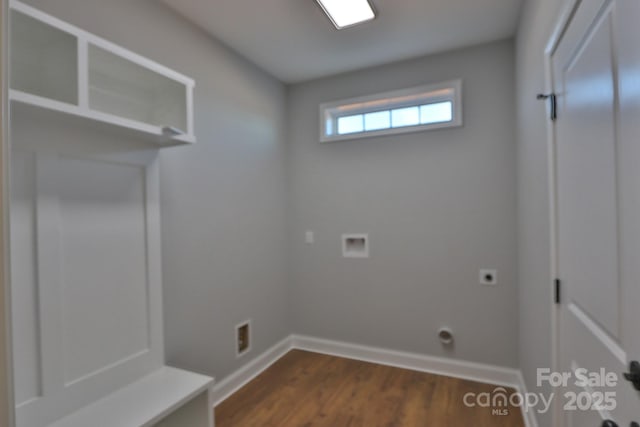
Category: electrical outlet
[488,277]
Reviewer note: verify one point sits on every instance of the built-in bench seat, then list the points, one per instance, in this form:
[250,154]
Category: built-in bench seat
[168,397]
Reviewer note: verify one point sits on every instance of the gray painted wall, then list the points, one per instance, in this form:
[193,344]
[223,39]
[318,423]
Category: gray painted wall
[223,199]
[438,206]
[534,257]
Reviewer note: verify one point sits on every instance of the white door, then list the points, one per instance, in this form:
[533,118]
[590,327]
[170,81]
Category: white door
[596,72]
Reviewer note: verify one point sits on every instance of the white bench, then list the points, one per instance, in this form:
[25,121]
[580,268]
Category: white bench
[169,397]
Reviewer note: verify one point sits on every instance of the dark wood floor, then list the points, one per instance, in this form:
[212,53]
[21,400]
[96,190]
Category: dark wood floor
[312,390]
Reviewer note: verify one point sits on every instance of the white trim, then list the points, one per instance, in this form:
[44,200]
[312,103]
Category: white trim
[529,416]
[7,406]
[46,103]
[550,48]
[330,111]
[472,371]
[248,372]
[83,74]
[190,115]
[120,122]
[599,333]
[249,337]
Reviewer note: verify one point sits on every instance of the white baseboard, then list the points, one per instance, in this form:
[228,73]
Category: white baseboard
[242,376]
[472,371]
[488,374]
[529,416]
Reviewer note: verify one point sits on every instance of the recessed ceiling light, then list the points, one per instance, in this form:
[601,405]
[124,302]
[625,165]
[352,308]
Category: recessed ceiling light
[345,13]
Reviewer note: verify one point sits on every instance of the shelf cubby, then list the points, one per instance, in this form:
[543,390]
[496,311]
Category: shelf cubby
[120,87]
[44,59]
[63,69]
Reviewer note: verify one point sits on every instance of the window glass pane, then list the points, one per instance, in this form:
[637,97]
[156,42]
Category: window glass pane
[376,121]
[350,124]
[436,113]
[405,117]
[328,126]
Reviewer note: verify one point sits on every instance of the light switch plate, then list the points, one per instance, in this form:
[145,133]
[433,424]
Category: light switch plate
[309,238]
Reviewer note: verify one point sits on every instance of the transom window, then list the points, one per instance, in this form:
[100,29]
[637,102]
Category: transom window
[408,110]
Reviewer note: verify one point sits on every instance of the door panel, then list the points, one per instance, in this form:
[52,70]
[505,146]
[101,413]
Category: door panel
[598,203]
[587,181]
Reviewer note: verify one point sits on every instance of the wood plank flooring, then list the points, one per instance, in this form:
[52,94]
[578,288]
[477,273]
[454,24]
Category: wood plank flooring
[305,389]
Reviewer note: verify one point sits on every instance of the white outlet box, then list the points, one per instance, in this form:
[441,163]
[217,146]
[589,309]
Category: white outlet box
[488,277]
[355,245]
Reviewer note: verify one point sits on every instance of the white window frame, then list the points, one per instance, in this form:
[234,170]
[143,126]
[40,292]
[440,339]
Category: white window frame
[330,112]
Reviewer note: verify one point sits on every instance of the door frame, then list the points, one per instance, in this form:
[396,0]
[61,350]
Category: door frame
[553,41]
[6,372]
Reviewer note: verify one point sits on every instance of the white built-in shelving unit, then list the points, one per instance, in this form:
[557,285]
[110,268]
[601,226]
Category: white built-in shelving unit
[86,276]
[63,69]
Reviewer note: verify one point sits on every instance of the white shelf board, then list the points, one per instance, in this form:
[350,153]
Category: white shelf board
[143,403]
[131,127]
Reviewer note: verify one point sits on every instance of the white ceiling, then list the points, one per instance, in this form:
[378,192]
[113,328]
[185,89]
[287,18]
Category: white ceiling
[294,41]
